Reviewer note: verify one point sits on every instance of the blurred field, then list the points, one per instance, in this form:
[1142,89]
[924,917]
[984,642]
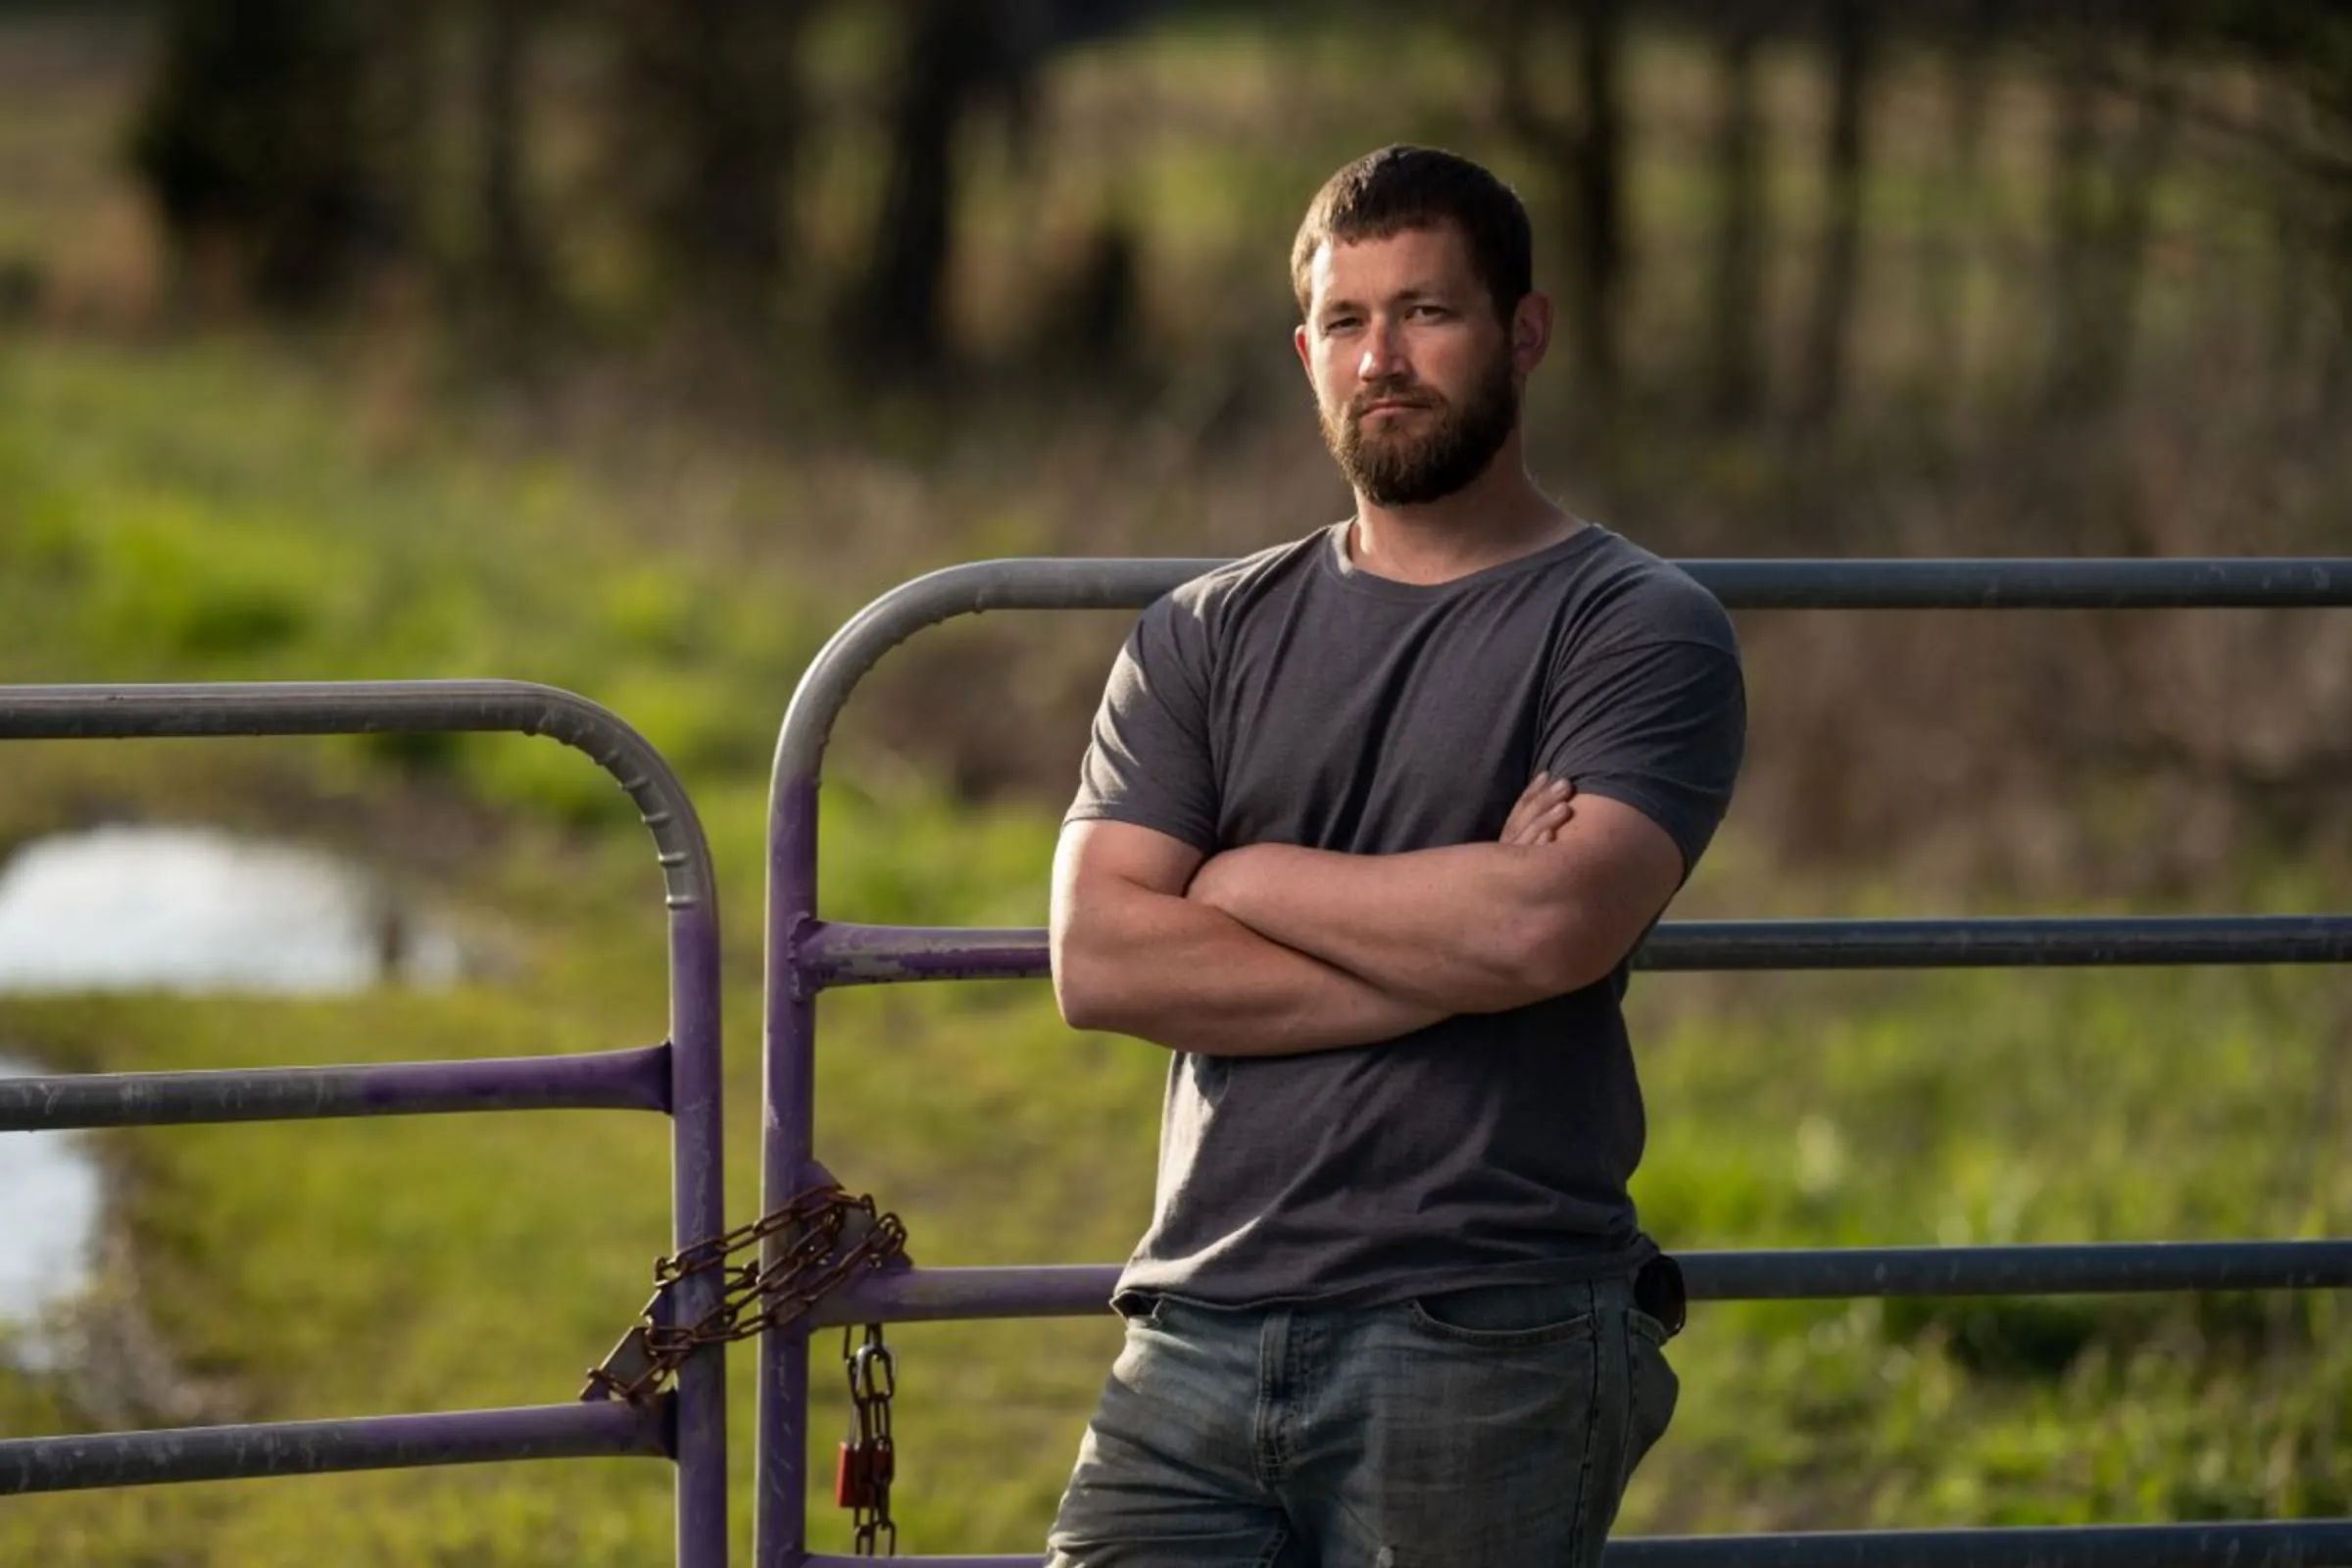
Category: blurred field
[182,504]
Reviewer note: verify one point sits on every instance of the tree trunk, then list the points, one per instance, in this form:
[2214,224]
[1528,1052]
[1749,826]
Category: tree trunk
[715,94]
[1602,242]
[949,56]
[1944,291]
[1585,153]
[514,269]
[2073,219]
[1734,372]
[2102,215]
[2327,89]
[1828,327]
[257,144]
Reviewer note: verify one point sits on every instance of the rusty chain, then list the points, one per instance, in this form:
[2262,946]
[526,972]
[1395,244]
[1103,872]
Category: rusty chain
[828,1236]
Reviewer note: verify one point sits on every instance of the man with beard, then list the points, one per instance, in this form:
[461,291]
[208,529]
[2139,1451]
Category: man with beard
[1368,828]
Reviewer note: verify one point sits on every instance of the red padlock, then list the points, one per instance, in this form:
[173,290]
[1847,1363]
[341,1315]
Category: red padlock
[862,1474]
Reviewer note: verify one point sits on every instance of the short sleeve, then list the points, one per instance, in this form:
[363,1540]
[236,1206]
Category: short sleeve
[1148,760]
[1659,723]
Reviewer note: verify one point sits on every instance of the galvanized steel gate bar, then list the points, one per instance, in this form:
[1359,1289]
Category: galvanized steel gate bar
[679,1077]
[805,955]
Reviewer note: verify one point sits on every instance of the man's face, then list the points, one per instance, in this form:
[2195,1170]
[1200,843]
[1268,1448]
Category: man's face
[1414,376]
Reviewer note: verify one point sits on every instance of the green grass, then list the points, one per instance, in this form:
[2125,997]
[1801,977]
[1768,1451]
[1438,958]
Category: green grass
[2001,1109]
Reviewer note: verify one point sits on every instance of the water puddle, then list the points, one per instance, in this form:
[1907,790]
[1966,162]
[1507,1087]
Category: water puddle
[191,909]
[52,1198]
[181,911]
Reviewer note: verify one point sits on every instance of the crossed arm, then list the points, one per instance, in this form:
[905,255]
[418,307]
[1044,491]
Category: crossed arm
[1271,949]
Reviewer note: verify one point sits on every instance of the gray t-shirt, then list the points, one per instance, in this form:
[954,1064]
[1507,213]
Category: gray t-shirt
[1291,698]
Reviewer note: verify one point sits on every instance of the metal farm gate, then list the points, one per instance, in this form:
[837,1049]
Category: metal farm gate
[806,954]
[678,1078]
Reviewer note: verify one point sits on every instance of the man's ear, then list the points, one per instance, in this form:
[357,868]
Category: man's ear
[1298,342]
[1531,332]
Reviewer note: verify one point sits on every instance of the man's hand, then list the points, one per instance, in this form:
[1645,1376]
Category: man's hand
[1542,810]
[1223,881]
[1551,907]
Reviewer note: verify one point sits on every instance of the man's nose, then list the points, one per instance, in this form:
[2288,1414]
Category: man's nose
[1384,357]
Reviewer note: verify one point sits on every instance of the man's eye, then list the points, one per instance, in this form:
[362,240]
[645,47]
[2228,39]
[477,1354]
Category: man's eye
[1432,312]
[1339,324]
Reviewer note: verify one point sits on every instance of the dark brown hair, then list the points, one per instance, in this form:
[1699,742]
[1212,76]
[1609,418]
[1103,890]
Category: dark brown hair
[1402,187]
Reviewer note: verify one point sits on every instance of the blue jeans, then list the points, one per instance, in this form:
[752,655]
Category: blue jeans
[1491,1428]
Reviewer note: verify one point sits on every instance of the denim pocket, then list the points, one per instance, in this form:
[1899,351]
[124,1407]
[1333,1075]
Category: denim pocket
[1140,1308]
[1505,1317]
[1650,1328]
[1653,1387]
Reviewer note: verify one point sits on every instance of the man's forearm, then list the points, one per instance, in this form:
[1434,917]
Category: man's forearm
[1467,928]
[1190,978]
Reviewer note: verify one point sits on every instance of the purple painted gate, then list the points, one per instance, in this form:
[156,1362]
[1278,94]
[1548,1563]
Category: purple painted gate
[806,954]
[678,1078]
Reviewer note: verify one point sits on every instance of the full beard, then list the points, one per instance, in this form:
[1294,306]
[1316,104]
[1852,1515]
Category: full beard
[1398,470]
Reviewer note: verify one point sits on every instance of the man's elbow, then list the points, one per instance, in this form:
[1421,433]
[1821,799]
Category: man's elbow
[1075,995]
[1084,1008]
[1552,956]
[1083,988]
